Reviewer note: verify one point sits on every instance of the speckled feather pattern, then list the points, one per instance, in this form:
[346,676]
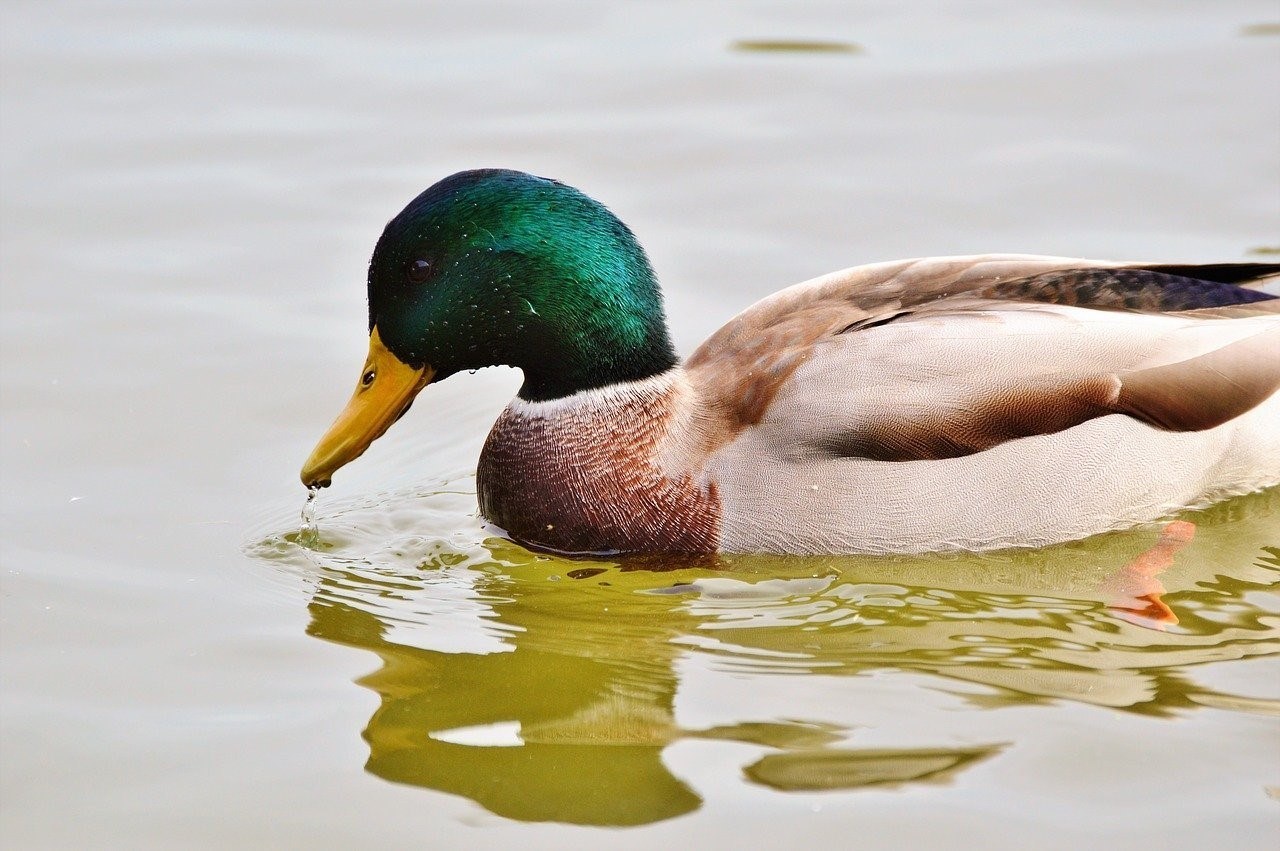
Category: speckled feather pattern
[1123,289]
[592,473]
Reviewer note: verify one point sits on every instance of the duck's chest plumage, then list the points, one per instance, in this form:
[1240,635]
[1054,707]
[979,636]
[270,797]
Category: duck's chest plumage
[600,471]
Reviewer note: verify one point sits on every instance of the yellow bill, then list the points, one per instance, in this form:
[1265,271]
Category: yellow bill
[387,385]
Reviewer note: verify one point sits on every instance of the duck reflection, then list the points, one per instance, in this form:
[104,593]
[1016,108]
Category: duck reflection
[552,698]
[588,734]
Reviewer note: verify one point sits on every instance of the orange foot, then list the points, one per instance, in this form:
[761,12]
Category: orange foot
[1135,589]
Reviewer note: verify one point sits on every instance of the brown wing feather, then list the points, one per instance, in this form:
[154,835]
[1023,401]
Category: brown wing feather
[740,369]
[1192,395]
[1141,290]
[983,422]
[1207,391]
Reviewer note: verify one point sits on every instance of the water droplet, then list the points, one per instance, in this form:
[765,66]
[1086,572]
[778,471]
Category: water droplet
[309,534]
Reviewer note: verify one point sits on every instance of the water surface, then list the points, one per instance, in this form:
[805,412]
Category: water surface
[547,690]
[189,196]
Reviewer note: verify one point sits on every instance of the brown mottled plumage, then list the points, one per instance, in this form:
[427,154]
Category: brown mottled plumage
[591,479]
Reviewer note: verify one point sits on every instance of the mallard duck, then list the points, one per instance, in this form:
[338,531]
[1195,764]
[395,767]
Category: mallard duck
[919,405]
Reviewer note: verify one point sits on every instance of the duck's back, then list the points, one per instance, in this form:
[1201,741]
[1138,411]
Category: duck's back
[974,403]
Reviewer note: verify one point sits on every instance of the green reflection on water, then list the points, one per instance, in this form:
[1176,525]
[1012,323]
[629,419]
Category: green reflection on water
[545,697]
[776,45]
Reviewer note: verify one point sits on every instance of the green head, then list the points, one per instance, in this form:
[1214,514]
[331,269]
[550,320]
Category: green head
[498,267]
[491,268]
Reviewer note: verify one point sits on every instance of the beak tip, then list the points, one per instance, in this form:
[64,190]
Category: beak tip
[369,413]
[312,479]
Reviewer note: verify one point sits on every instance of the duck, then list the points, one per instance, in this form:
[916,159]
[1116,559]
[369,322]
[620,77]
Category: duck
[926,405]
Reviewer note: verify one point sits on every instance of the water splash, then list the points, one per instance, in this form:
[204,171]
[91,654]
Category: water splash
[309,533]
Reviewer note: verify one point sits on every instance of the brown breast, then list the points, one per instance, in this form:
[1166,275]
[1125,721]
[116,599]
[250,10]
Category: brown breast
[584,476]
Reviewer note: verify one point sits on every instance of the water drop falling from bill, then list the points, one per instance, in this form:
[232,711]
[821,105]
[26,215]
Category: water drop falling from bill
[309,534]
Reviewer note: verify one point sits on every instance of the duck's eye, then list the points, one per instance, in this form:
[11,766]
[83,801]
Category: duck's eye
[417,270]
[367,378]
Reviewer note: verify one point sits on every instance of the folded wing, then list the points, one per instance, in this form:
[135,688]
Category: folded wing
[947,357]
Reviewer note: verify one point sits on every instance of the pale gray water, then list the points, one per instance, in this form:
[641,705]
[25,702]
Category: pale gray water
[190,193]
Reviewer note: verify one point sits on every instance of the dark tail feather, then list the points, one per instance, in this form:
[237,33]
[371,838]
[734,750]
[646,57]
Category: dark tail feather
[1222,273]
[1145,289]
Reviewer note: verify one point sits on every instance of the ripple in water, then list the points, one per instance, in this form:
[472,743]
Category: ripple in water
[500,662]
[1036,624]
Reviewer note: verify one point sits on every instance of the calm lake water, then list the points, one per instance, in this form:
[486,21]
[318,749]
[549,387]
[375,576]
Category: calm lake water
[190,195]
